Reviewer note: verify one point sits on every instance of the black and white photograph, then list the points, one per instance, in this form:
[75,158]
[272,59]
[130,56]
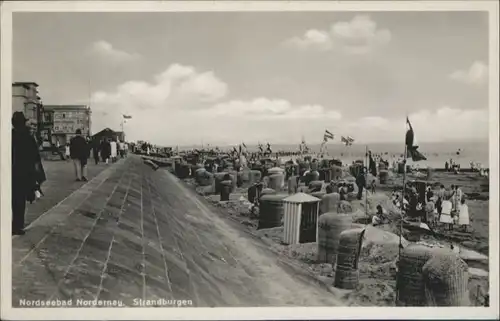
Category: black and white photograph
[177,160]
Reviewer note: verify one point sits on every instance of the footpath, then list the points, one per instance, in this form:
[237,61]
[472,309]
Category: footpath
[59,185]
[132,235]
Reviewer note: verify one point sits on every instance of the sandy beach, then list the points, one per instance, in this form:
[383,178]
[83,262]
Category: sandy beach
[378,265]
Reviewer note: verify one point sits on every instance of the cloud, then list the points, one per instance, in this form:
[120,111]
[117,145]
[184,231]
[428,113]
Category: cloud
[176,89]
[358,36]
[312,39]
[271,109]
[106,51]
[477,74]
[178,86]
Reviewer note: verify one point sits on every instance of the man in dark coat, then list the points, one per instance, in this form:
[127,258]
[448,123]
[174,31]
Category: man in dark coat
[105,150]
[79,152]
[361,182]
[95,150]
[27,170]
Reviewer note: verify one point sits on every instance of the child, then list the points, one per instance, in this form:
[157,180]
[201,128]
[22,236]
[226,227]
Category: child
[372,186]
[463,216]
[445,216]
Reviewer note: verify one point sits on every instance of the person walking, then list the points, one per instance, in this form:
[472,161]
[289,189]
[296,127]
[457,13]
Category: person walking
[105,150]
[27,171]
[79,153]
[95,150]
[122,149]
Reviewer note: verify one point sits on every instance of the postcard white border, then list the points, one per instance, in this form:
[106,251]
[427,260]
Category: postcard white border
[7,312]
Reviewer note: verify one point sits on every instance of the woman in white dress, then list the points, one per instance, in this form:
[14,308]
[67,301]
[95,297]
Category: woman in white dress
[114,151]
[445,216]
[463,216]
[67,152]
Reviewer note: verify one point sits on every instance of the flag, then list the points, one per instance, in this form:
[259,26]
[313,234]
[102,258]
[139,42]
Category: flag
[347,140]
[327,136]
[269,148]
[411,144]
[127,117]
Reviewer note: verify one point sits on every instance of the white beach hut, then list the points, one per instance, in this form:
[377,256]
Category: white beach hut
[301,213]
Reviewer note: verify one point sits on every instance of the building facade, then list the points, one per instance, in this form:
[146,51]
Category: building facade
[62,121]
[25,98]
[109,134]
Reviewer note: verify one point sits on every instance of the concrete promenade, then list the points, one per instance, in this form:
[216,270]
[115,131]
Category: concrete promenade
[132,233]
[60,183]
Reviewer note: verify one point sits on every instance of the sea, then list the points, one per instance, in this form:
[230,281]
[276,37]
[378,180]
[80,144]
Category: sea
[436,153]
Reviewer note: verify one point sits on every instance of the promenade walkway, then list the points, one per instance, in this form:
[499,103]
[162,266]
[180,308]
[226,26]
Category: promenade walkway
[60,184]
[133,233]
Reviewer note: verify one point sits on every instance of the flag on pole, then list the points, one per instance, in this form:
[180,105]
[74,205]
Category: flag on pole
[412,145]
[127,117]
[347,140]
[328,136]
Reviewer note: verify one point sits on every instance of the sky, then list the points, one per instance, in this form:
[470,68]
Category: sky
[226,78]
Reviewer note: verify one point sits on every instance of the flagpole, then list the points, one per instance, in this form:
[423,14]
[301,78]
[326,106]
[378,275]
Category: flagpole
[402,208]
[123,132]
[366,180]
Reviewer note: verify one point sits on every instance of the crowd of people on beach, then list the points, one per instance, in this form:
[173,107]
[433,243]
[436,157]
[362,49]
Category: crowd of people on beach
[442,207]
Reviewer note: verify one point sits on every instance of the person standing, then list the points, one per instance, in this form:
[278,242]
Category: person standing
[114,150]
[452,198]
[67,151]
[372,186]
[27,170]
[458,197]
[463,215]
[79,153]
[95,150]
[361,182]
[440,198]
[445,216]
